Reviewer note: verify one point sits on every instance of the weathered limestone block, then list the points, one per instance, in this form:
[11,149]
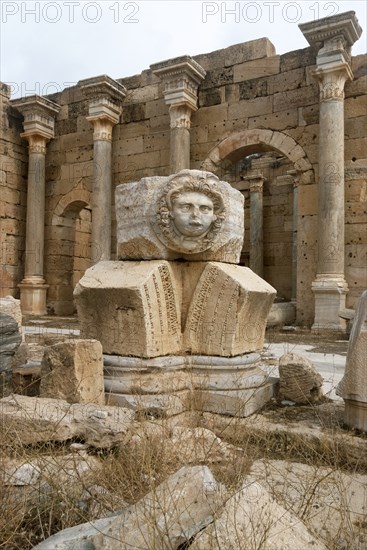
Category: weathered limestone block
[251,518]
[298,379]
[167,517]
[305,490]
[353,386]
[10,339]
[131,307]
[32,420]
[11,306]
[73,370]
[152,223]
[228,311]
[152,308]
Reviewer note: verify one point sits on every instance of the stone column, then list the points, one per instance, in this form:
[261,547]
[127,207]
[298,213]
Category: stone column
[256,225]
[254,184]
[181,77]
[39,119]
[105,98]
[333,38]
[295,182]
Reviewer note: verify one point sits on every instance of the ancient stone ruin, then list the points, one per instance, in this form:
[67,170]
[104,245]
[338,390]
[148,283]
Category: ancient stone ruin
[353,387]
[176,313]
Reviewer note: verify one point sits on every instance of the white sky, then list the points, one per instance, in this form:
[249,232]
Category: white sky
[49,45]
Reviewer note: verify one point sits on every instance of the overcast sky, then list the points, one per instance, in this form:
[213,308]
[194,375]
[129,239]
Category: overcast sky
[49,45]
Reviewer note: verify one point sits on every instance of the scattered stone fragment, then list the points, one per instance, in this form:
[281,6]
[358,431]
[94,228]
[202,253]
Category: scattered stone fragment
[29,420]
[167,517]
[332,503]
[299,381]
[11,306]
[73,370]
[353,386]
[252,519]
[10,339]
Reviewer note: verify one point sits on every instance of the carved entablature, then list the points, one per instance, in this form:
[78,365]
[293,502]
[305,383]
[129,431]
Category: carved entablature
[105,99]
[190,215]
[39,119]
[181,77]
[319,32]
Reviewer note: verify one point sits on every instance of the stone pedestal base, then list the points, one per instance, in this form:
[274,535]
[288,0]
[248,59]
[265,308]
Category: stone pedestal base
[355,415]
[165,386]
[330,294]
[33,292]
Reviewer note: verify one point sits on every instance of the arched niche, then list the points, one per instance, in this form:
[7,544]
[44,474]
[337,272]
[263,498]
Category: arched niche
[68,249]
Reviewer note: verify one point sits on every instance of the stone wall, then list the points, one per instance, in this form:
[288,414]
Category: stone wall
[13,196]
[251,101]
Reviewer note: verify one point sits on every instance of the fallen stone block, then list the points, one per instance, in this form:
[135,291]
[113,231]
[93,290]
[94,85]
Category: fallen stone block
[30,420]
[252,519]
[167,517]
[299,380]
[73,370]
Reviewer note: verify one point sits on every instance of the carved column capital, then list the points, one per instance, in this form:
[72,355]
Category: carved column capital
[180,116]
[105,102]
[36,142]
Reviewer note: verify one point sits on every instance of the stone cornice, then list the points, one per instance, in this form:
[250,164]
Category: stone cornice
[181,77]
[104,87]
[39,116]
[322,30]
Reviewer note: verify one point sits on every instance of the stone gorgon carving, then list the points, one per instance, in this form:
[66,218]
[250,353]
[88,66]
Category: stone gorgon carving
[190,213]
[154,218]
[181,325]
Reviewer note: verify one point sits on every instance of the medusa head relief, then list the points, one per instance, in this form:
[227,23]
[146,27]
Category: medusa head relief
[190,213]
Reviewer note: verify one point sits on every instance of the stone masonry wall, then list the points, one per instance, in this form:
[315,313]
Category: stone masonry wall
[13,196]
[247,88]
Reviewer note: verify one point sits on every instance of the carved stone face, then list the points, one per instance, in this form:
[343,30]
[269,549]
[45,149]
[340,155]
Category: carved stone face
[191,210]
[192,214]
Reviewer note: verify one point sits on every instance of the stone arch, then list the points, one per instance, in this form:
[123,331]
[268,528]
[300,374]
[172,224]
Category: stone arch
[72,200]
[246,142]
[238,145]
[68,249]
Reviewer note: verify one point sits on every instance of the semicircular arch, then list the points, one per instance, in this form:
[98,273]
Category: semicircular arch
[72,203]
[240,144]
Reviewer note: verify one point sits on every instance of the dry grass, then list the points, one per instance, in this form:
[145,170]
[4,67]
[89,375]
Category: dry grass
[30,514]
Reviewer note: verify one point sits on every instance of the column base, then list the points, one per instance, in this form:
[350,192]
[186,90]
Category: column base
[170,385]
[329,291]
[33,292]
[355,415]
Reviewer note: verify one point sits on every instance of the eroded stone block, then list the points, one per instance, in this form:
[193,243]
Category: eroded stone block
[73,371]
[132,308]
[228,311]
